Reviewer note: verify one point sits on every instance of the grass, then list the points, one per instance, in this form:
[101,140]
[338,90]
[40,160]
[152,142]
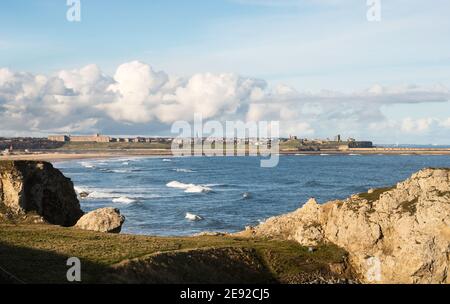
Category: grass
[410,206]
[38,253]
[375,195]
[292,144]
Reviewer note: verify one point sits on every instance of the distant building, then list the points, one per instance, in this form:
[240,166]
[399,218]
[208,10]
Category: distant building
[360,144]
[59,138]
[93,138]
[80,138]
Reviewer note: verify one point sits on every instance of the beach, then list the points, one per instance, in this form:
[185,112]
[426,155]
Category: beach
[61,156]
[112,153]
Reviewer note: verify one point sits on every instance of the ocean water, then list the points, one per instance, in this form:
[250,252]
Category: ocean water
[183,196]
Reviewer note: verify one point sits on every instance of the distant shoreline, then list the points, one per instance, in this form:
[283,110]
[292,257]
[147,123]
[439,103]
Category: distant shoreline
[73,155]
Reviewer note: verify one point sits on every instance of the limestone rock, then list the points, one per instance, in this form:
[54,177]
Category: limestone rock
[102,220]
[393,235]
[31,188]
[83,194]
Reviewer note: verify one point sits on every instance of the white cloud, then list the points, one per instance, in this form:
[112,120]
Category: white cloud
[135,87]
[410,125]
[141,100]
[445,123]
[211,95]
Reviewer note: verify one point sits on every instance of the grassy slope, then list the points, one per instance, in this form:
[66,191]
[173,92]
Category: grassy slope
[292,144]
[38,253]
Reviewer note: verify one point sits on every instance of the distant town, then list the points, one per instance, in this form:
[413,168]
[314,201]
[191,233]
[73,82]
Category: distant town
[61,141]
[141,145]
[98,138]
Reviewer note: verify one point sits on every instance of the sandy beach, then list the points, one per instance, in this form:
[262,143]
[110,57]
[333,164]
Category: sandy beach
[60,156]
[71,155]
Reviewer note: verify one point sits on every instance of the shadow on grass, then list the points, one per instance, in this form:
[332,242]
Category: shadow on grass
[21,265]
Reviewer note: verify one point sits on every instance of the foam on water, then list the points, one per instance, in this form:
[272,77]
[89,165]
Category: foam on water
[87,165]
[215,189]
[102,195]
[121,171]
[193,217]
[79,190]
[184,170]
[123,200]
[189,188]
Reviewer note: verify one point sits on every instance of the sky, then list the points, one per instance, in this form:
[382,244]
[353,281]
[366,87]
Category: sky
[320,67]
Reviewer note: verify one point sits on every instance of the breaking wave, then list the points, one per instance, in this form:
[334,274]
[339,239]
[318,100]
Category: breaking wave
[121,171]
[87,165]
[189,188]
[102,195]
[193,217]
[79,190]
[184,170]
[123,200]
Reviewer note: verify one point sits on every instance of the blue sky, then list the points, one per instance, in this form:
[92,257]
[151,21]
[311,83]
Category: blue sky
[311,46]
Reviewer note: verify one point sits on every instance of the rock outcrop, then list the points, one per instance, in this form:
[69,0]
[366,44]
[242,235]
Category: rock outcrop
[393,235]
[102,220]
[37,188]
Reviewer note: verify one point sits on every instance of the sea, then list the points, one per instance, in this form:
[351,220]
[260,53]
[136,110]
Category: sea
[188,195]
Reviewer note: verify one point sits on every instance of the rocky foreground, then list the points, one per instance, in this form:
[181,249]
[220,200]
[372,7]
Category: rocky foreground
[393,235]
[42,225]
[36,192]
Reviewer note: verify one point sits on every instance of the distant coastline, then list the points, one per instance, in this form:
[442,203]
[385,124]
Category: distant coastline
[60,155]
[97,146]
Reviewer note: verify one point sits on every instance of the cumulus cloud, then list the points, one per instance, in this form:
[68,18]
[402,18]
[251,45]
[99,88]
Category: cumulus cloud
[141,100]
[410,125]
[137,89]
[445,123]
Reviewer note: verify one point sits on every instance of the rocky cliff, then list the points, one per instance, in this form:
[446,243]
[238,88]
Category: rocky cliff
[36,189]
[393,235]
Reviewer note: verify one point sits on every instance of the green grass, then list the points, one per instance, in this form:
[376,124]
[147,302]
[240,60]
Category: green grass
[292,144]
[38,253]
